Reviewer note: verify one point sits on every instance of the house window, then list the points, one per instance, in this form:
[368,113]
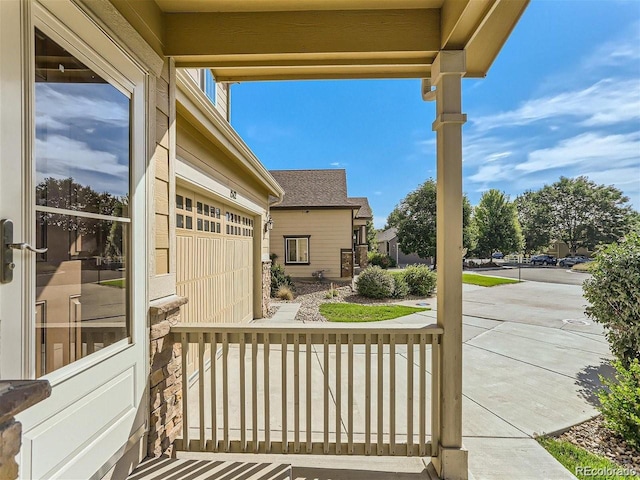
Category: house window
[296,250]
[208,84]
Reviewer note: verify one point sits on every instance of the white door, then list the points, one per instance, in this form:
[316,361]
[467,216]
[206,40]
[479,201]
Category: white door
[72,180]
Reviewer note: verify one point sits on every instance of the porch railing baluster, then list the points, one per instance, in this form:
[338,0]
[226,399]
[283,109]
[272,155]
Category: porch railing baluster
[195,338]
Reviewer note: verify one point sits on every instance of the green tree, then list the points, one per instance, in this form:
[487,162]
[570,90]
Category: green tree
[613,292]
[496,222]
[415,219]
[371,236]
[536,220]
[586,214]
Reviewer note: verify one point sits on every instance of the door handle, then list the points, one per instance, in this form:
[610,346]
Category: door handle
[7,246]
[26,246]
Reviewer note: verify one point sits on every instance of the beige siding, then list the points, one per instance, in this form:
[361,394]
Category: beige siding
[329,231]
[161,184]
[222,99]
[196,149]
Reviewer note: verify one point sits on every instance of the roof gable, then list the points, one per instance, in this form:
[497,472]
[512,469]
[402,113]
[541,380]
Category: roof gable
[313,188]
[364,212]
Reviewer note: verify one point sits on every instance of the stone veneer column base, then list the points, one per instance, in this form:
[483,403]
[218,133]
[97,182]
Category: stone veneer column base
[165,377]
[362,255]
[15,397]
[266,288]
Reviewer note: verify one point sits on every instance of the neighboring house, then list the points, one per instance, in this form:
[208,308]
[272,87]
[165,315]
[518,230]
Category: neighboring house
[361,218]
[560,249]
[92,90]
[388,244]
[313,226]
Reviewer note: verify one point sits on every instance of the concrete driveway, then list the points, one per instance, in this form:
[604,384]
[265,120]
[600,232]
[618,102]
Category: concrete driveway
[531,366]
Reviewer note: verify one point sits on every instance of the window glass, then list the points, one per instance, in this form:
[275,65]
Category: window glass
[208,84]
[179,221]
[82,157]
[297,250]
[179,200]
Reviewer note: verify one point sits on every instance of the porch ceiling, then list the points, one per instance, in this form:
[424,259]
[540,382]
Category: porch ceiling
[243,40]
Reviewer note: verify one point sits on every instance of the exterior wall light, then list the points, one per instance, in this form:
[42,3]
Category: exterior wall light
[268,224]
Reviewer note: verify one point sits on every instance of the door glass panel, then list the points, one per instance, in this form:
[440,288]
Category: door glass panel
[82,133]
[82,153]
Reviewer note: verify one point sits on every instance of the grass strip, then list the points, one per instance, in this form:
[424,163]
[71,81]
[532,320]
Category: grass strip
[116,282]
[352,312]
[485,281]
[584,464]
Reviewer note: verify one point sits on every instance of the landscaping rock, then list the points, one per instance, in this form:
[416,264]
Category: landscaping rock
[595,437]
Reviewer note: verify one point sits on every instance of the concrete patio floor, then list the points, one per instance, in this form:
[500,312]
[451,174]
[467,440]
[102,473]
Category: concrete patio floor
[531,365]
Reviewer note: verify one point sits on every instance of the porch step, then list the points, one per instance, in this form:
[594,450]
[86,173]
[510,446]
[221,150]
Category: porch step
[179,469]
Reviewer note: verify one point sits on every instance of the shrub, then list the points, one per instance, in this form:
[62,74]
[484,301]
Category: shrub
[620,402]
[400,287]
[613,292]
[420,279]
[331,293]
[284,293]
[374,282]
[381,260]
[279,279]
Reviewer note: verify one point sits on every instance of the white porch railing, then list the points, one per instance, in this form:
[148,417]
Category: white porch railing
[281,389]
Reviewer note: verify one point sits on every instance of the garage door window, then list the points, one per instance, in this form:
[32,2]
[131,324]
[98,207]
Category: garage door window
[297,250]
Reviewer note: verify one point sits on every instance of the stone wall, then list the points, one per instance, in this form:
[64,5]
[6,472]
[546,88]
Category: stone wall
[266,287]
[15,397]
[10,441]
[362,258]
[346,263]
[165,378]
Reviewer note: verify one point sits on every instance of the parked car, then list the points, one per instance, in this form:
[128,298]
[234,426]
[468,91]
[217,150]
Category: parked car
[498,255]
[544,260]
[571,261]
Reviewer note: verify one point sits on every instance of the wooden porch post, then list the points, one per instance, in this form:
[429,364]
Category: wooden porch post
[447,71]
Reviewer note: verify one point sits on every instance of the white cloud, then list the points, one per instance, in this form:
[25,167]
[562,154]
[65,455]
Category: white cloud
[480,148]
[377,192]
[588,150]
[624,50]
[491,173]
[54,107]
[63,157]
[607,102]
[497,156]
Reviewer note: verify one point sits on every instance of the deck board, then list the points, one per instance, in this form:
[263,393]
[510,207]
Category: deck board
[182,469]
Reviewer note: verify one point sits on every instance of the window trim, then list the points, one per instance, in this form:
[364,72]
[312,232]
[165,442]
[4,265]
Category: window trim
[286,249]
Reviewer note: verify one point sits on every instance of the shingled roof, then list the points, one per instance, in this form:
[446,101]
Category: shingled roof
[365,210]
[313,188]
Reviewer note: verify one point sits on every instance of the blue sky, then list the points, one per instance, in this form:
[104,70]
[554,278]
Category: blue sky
[562,98]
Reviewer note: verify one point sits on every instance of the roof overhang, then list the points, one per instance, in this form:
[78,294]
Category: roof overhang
[193,105]
[245,40]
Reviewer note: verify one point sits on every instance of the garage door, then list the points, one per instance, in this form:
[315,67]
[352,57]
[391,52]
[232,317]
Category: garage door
[214,259]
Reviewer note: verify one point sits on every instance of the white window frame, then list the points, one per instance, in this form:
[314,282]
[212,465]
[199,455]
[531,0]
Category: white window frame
[118,71]
[298,240]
